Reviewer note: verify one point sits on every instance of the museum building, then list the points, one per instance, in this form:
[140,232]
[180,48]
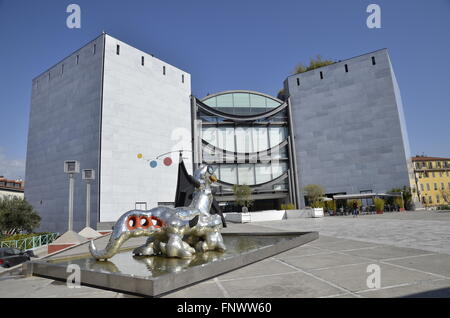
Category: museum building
[126,114]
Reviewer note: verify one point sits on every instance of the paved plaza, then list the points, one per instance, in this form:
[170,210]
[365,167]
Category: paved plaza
[412,250]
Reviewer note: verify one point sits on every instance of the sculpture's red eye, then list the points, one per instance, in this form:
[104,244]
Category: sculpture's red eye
[132,222]
[144,222]
[156,222]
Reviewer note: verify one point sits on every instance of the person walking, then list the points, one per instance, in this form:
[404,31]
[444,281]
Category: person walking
[355,209]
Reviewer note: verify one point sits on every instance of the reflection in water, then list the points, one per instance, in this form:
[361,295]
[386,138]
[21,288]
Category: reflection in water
[124,262]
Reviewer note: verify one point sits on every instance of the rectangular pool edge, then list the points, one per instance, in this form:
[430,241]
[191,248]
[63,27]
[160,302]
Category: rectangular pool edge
[157,286]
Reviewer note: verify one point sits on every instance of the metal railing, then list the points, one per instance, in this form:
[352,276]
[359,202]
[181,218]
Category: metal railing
[30,242]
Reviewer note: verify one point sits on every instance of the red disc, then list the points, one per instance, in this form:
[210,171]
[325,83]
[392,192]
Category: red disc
[167,161]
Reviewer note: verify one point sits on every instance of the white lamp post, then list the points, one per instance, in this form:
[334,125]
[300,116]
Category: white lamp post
[71,167]
[88,175]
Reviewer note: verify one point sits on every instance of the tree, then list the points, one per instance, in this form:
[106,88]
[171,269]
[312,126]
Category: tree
[407,197]
[314,193]
[379,204]
[313,64]
[17,215]
[300,68]
[243,194]
[282,95]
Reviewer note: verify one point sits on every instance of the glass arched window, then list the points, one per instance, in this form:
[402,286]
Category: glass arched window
[241,102]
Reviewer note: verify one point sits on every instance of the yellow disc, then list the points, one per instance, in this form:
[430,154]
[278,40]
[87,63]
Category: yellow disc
[139,155]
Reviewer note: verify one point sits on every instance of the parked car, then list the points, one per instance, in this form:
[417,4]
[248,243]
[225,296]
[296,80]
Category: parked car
[12,256]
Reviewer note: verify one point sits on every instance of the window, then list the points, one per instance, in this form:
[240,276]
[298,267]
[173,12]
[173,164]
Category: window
[430,200]
[78,58]
[321,75]
[118,49]
[438,199]
[433,174]
[298,81]
[182,78]
[373,60]
[449,185]
[164,70]
[430,165]
[428,186]
[442,186]
[346,68]
[142,60]
[435,186]
[94,48]
[62,69]
[440,174]
[421,187]
[48,75]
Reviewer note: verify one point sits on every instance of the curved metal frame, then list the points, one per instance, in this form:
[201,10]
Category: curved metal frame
[266,152]
[242,91]
[259,185]
[210,110]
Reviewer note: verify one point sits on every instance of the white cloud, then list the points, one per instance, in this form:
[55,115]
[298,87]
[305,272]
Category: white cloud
[11,168]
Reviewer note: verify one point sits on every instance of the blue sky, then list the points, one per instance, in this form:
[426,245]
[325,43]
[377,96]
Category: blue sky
[244,44]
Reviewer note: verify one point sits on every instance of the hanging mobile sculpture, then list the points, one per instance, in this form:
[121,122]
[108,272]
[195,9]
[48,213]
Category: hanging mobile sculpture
[167,161]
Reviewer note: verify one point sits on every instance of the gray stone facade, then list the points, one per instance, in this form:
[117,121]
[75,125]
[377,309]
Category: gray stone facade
[349,128]
[103,108]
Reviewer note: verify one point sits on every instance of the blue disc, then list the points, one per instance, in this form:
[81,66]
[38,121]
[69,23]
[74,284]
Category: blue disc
[153,163]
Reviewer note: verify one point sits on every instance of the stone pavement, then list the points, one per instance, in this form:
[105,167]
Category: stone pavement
[412,250]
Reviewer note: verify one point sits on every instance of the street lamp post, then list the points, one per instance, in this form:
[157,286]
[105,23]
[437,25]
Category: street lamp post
[71,167]
[88,175]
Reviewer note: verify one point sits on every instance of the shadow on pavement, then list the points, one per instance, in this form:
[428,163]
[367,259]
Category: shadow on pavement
[437,293]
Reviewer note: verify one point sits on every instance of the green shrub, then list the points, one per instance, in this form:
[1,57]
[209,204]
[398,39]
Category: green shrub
[22,236]
[313,64]
[318,204]
[288,206]
[399,201]
[379,204]
[330,205]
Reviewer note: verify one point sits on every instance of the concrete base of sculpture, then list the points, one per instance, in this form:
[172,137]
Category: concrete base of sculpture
[156,275]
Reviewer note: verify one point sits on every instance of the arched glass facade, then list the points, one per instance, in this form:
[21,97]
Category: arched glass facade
[241,102]
[245,134]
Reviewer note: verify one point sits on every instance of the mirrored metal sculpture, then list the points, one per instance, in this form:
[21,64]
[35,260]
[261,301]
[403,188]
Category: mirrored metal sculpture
[172,232]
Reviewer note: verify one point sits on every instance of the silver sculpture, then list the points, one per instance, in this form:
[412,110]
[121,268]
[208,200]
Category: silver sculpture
[173,232]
